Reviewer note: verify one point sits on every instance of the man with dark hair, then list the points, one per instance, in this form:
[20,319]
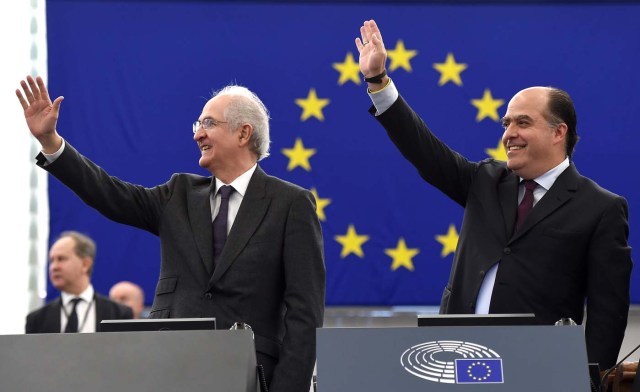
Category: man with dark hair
[537,237]
[240,246]
[79,308]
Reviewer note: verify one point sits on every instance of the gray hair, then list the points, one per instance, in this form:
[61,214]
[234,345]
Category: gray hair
[246,107]
[85,246]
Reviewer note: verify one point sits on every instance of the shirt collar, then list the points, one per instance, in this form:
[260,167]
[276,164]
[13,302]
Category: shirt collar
[86,295]
[240,184]
[547,179]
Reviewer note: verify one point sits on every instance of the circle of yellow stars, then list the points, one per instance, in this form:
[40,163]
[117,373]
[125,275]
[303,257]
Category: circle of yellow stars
[450,71]
[486,367]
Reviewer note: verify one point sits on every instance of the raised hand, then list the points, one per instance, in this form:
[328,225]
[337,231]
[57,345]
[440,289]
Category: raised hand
[41,114]
[373,55]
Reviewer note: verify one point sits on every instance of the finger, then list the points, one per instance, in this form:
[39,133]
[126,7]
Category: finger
[365,32]
[44,93]
[27,91]
[56,105]
[359,45]
[373,26]
[23,102]
[377,41]
[34,88]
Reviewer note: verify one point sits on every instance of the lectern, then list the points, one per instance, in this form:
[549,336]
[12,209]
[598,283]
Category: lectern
[448,359]
[159,361]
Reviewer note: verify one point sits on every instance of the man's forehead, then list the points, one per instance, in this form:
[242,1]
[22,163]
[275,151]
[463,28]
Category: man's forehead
[215,105]
[527,103]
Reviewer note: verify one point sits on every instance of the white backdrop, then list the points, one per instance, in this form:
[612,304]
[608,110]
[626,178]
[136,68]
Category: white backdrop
[24,213]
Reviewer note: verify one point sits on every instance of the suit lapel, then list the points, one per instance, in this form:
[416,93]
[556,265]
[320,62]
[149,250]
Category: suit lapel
[252,210]
[52,321]
[508,195]
[200,219]
[561,191]
[101,311]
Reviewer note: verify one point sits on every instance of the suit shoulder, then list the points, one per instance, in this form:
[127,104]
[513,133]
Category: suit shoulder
[592,187]
[44,308]
[189,179]
[117,310]
[279,185]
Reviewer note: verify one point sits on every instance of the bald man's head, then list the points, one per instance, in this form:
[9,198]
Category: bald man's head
[129,294]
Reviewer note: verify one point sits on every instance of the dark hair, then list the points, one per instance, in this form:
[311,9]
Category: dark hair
[85,246]
[561,110]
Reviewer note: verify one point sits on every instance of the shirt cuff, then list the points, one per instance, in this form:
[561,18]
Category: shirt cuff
[52,157]
[383,99]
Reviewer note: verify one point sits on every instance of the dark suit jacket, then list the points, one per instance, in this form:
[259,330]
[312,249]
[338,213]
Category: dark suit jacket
[271,271]
[572,247]
[47,318]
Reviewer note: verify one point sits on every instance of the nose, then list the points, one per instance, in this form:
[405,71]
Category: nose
[509,133]
[199,133]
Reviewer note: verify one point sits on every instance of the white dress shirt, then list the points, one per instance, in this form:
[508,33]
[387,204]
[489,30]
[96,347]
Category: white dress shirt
[240,185]
[86,310]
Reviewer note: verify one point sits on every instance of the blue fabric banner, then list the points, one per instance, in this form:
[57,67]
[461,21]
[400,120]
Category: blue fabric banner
[135,75]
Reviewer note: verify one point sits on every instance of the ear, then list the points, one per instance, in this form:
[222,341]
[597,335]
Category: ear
[87,262]
[244,134]
[560,133]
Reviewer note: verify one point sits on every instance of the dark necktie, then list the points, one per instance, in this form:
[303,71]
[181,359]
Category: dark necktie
[526,205]
[220,223]
[72,320]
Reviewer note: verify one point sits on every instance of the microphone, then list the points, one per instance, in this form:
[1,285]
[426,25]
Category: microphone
[603,382]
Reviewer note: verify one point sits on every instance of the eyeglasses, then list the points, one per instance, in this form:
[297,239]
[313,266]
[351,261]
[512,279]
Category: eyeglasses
[207,124]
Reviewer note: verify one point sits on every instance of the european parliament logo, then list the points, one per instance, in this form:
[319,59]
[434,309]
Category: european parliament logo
[477,371]
[453,362]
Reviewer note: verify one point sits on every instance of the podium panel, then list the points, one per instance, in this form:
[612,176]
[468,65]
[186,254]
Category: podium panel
[161,361]
[448,359]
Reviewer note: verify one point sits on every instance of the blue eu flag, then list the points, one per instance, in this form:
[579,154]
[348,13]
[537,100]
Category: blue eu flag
[479,371]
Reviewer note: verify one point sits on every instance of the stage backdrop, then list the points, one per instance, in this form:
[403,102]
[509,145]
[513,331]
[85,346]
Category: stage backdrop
[135,75]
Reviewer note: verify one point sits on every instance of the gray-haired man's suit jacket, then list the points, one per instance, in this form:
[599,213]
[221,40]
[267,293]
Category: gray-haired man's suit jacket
[270,274]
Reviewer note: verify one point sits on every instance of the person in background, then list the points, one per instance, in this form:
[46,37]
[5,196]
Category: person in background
[79,308]
[537,237]
[240,245]
[129,294]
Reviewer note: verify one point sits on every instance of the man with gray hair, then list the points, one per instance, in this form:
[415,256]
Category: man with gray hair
[79,308]
[240,246]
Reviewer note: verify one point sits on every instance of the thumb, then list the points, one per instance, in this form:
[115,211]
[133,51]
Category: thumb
[56,105]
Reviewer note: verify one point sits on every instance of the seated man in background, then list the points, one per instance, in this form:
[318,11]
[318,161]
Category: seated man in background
[79,308]
[129,294]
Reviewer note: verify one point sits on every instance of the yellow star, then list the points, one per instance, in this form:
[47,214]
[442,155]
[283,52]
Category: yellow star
[449,241]
[400,57]
[351,242]
[450,70]
[299,156]
[498,153]
[320,204]
[312,105]
[402,256]
[487,106]
[349,70]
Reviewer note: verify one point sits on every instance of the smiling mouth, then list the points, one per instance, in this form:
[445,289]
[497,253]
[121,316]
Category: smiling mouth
[514,148]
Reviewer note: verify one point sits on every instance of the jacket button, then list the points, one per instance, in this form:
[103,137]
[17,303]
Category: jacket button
[471,305]
[208,295]
[481,273]
[507,251]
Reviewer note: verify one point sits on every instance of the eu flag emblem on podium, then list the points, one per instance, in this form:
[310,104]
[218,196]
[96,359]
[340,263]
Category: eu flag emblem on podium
[479,371]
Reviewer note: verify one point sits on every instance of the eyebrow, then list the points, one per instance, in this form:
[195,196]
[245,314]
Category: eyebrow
[516,118]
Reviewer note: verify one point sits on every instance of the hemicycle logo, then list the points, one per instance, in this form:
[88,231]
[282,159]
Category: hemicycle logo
[453,362]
